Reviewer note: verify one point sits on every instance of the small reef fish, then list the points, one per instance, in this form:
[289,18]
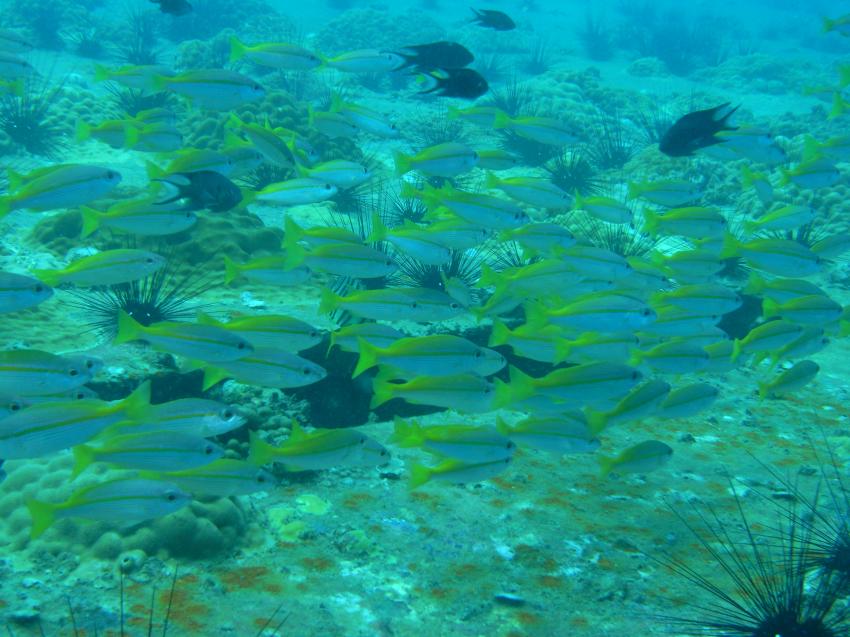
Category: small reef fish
[462,442]
[12,67]
[443,160]
[266,367]
[435,55]
[140,217]
[422,305]
[221,478]
[32,372]
[309,451]
[783,219]
[174,7]
[643,457]
[343,259]
[45,428]
[767,337]
[269,331]
[266,270]
[641,402]
[337,172]
[273,146]
[493,19]
[57,186]
[191,340]
[149,451]
[201,190]
[540,238]
[464,83]
[782,257]
[123,502]
[759,182]
[670,194]
[283,56]
[364,119]
[110,267]
[295,192]
[687,401]
[604,209]
[466,393]
[191,160]
[562,434]
[696,130]
[691,223]
[365,61]
[378,334]
[820,172]
[19,292]
[14,42]
[137,77]
[534,191]
[197,417]
[215,89]
[543,130]
[457,471]
[816,310]
[432,355]
[790,380]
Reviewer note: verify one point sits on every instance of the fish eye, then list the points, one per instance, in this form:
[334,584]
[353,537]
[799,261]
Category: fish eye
[414,305]
[73,372]
[454,306]
[171,497]
[208,450]
[314,333]
[305,371]
[257,87]
[261,478]
[510,445]
[487,390]
[478,354]
[149,260]
[39,287]
[227,414]
[646,312]
[111,174]
[328,186]
[15,406]
[240,346]
[389,262]
[635,375]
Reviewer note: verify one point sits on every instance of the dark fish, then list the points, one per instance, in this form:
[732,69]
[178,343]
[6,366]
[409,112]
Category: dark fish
[174,7]
[202,189]
[696,130]
[493,19]
[436,55]
[464,83]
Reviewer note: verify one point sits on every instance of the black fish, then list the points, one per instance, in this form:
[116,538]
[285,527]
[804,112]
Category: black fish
[464,83]
[437,55]
[493,20]
[174,7]
[202,189]
[696,130]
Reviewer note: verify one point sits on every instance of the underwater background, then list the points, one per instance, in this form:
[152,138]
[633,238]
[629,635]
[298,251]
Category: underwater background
[421,318]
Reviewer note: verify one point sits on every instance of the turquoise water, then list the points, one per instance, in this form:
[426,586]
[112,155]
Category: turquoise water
[304,331]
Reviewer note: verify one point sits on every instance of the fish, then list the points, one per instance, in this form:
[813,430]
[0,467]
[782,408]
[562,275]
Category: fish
[201,190]
[780,290]
[364,119]
[266,367]
[348,338]
[266,270]
[785,218]
[12,67]
[136,77]
[599,312]
[535,191]
[594,346]
[641,402]
[110,267]
[158,137]
[365,61]
[529,341]
[758,182]
[782,257]
[332,124]
[343,259]
[700,299]
[696,130]
[687,401]
[643,457]
[669,193]
[497,159]
[466,393]
[540,238]
[457,471]
[692,223]
[672,357]
[275,148]
[767,337]
[15,42]
[140,216]
[309,451]
[422,305]
[337,172]
[214,89]
[191,340]
[295,192]
[464,83]
[32,372]
[282,56]
[839,25]
[123,502]
[820,172]
[493,19]
[174,7]
[319,235]
[196,417]
[432,355]
[269,331]
[191,160]
[44,428]
[565,433]
[475,208]
[149,451]
[443,160]
[435,55]
[221,478]
[461,442]
[815,310]
[57,186]
[19,292]
[413,240]
[543,130]
[604,208]
[478,115]
[790,380]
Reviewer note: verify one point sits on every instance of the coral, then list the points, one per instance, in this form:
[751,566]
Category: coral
[373,28]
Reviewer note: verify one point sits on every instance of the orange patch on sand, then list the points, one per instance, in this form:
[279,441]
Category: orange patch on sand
[320,564]
[529,619]
[248,577]
[550,581]
[184,611]
[579,621]
[354,500]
